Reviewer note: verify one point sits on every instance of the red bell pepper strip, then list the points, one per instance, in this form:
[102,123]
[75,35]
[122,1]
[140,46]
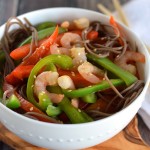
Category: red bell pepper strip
[26,105]
[57,41]
[39,53]
[29,107]
[92,35]
[78,80]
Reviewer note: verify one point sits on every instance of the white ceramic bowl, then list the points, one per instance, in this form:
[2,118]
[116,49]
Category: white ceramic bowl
[78,136]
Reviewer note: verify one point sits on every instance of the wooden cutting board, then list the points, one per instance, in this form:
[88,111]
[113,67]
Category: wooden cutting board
[118,142]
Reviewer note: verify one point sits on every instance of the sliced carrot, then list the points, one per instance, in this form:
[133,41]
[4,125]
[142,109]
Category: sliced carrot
[11,79]
[92,35]
[113,22]
[22,72]
[22,51]
[42,51]
[39,53]
[115,25]
[18,74]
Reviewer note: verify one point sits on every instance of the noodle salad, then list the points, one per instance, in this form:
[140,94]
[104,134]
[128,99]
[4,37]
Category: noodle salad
[68,72]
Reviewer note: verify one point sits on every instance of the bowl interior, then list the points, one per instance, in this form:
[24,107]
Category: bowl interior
[62,14]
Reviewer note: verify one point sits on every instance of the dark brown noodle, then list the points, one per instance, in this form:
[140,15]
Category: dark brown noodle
[8,39]
[110,41]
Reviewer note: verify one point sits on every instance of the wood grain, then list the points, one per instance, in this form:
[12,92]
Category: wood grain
[143,130]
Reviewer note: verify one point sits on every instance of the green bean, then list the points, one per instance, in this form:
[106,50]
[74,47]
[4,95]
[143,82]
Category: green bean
[45,25]
[126,76]
[44,100]
[69,110]
[43,34]
[89,98]
[92,89]
[75,115]
[53,111]
[54,89]
[13,102]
